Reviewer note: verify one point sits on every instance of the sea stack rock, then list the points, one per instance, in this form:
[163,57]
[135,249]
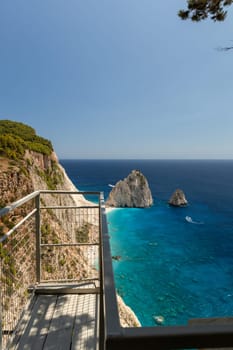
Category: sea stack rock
[132,192]
[178,199]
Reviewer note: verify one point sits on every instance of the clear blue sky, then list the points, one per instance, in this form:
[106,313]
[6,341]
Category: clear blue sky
[117,78]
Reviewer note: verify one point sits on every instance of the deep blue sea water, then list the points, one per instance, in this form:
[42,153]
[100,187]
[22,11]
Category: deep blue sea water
[170,267]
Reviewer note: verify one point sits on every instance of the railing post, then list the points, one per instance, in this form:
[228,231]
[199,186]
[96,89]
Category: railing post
[101,318]
[38,239]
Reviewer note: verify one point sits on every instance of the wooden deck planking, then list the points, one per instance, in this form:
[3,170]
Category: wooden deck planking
[85,334]
[61,327]
[62,322]
[37,328]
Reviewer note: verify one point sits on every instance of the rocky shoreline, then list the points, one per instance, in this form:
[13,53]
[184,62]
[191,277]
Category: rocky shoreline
[126,314]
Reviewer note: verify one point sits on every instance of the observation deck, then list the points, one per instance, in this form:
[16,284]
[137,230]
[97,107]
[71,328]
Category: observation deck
[57,287]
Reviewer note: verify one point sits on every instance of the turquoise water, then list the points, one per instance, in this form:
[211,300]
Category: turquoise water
[170,267]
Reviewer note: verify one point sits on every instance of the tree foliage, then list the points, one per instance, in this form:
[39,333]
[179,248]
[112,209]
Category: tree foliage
[12,147]
[198,10]
[16,137]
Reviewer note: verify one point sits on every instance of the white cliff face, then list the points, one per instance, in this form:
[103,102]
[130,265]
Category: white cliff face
[40,160]
[178,199]
[133,192]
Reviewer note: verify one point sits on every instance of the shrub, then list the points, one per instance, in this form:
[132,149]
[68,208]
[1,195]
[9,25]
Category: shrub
[16,137]
[82,233]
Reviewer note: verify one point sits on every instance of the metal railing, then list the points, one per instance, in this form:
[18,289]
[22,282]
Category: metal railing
[46,237]
[39,233]
[203,335]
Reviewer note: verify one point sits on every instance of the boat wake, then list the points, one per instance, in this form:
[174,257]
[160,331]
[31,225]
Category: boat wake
[191,221]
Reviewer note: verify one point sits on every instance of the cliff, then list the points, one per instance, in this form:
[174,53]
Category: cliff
[133,191]
[23,169]
[178,199]
[127,316]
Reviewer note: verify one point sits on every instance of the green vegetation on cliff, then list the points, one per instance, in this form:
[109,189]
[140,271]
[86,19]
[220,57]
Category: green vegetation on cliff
[16,137]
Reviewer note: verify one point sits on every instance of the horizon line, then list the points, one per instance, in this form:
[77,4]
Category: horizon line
[162,159]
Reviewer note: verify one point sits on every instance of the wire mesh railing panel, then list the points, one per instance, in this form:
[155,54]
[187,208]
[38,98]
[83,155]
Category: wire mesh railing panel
[70,252]
[18,272]
[69,263]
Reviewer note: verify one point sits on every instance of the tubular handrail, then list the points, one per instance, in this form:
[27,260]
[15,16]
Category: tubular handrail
[18,203]
[17,225]
[171,337]
[97,193]
[70,207]
[111,315]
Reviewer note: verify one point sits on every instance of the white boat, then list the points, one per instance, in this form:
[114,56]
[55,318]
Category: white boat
[189,219]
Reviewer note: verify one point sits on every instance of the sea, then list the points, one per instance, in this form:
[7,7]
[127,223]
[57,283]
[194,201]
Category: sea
[175,264]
